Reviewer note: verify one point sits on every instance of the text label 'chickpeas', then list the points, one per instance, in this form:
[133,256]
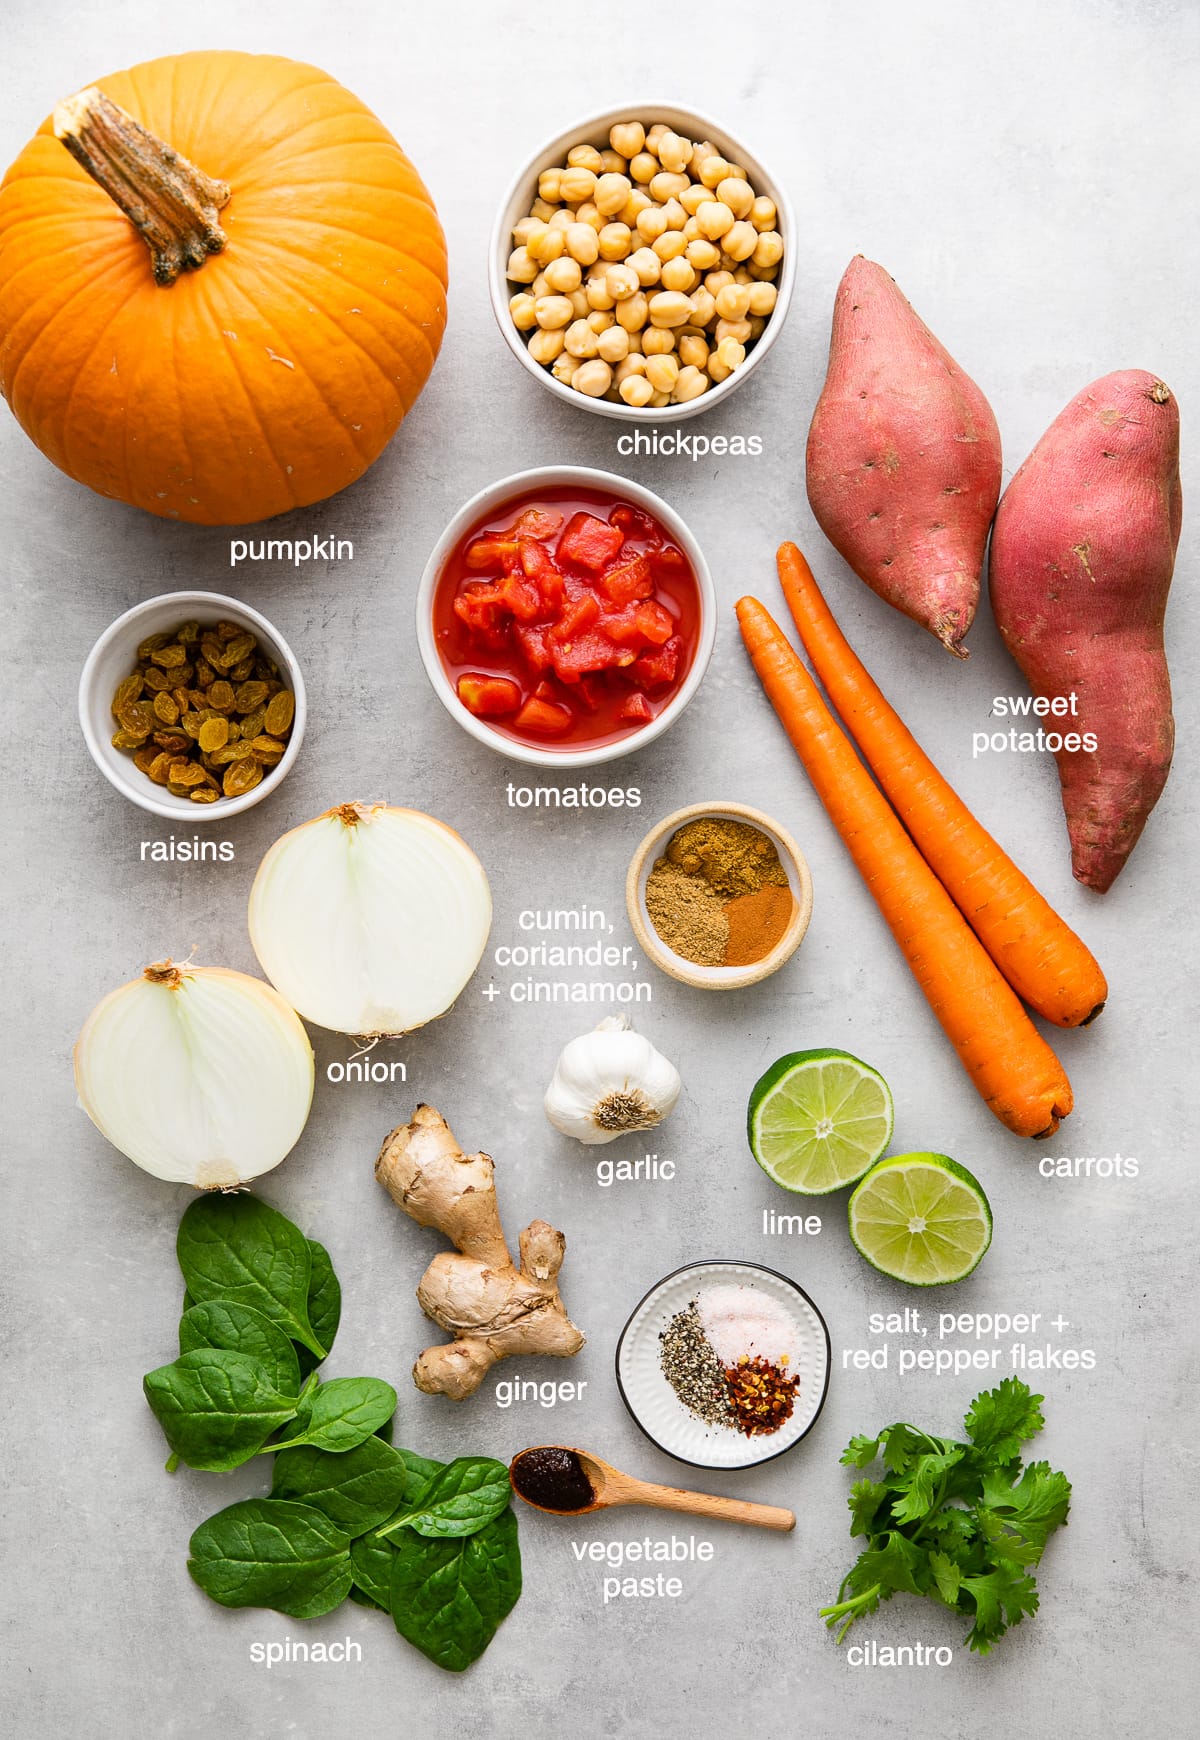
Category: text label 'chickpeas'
[645,269]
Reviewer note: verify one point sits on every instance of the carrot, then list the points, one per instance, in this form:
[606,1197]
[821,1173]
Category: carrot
[1009,1062]
[1038,953]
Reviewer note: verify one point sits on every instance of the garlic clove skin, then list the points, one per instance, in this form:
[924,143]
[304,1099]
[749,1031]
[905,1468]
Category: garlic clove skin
[610,1082]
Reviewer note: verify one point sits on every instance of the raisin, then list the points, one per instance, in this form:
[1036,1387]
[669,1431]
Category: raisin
[151,644]
[242,776]
[188,634]
[281,710]
[174,742]
[167,657]
[158,767]
[203,794]
[128,739]
[127,692]
[165,708]
[220,696]
[214,734]
[157,680]
[267,749]
[249,696]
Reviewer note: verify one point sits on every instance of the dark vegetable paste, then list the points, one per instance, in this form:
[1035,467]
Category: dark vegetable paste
[554,1478]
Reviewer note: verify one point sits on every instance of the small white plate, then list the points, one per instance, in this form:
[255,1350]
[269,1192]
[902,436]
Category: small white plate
[657,1410]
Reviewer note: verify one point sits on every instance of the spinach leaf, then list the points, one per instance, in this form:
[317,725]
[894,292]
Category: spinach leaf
[357,1489]
[238,1248]
[420,1472]
[449,1596]
[324,1304]
[268,1552]
[362,1599]
[241,1329]
[216,1407]
[460,1500]
[371,1562]
[340,1414]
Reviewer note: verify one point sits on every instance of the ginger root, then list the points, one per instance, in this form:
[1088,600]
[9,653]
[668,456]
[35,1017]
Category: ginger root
[492,1308]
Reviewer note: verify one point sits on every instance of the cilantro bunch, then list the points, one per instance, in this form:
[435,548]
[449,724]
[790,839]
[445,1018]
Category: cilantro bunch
[963,1523]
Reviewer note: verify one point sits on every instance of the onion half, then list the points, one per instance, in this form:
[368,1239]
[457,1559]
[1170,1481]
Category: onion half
[199,1075]
[369,920]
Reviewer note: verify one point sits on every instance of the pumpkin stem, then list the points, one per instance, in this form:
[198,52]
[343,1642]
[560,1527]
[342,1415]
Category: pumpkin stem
[172,204]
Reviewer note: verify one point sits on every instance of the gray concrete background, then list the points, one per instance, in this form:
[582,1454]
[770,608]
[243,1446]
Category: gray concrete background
[1024,173]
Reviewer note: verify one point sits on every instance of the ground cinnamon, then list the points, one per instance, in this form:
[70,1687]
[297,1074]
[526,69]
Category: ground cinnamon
[756,923]
[719,896]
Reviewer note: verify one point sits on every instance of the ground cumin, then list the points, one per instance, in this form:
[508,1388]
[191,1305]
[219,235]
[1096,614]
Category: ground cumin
[719,896]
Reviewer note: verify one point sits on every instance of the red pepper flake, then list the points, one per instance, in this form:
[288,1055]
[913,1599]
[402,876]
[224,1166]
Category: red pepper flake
[763,1395]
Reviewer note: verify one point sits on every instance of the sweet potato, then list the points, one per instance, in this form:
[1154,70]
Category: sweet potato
[903,458]
[1081,562]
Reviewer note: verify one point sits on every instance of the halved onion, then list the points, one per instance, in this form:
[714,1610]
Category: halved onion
[369,919]
[200,1075]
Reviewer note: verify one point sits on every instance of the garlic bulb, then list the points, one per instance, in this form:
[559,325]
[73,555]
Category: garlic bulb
[370,920]
[610,1082]
[200,1075]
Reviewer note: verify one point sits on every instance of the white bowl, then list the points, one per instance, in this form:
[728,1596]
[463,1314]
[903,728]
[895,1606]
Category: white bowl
[495,496]
[594,131]
[114,656]
[657,1410]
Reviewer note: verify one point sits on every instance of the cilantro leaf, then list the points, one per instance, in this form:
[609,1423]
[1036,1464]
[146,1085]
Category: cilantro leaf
[1001,1598]
[1001,1420]
[861,1452]
[916,1496]
[896,1563]
[1019,1518]
[866,1496]
[947,1577]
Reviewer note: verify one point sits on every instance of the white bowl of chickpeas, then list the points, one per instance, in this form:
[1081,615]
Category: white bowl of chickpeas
[642,263]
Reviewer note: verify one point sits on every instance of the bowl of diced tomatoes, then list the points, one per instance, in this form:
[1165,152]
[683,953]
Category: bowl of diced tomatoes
[566,616]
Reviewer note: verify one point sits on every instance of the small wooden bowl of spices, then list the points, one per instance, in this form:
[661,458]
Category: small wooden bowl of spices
[719,895]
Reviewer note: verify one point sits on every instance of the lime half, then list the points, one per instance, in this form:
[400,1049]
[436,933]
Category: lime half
[818,1120]
[921,1218]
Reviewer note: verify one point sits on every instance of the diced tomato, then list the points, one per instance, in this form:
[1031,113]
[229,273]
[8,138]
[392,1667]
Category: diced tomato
[630,581]
[537,566]
[534,642]
[537,523]
[589,542]
[589,652]
[654,670]
[576,619]
[589,692]
[635,524]
[636,706]
[488,697]
[480,607]
[546,718]
[668,563]
[522,598]
[487,554]
[645,623]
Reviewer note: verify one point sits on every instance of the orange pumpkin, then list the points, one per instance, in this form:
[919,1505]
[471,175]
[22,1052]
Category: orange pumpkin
[263,352]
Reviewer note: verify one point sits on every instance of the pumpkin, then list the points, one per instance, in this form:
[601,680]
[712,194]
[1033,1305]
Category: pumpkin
[220,300]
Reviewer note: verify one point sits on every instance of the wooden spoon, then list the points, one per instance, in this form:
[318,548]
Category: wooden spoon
[611,1487]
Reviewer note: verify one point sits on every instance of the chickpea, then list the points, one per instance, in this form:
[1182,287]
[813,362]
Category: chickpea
[733,302]
[763,298]
[704,307]
[578,183]
[527,227]
[549,186]
[631,313]
[701,152]
[544,346]
[651,223]
[589,213]
[662,372]
[580,304]
[636,391]
[552,312]
[713,171]
[742,274]
[691,232]
[521,269]
[635,342]
[582,244]
[600,320]
[716,281]
[593,378]
[542,211]
[563,276]
[739,330]
[668,308]
[678,275]
[521,308]
[563,367]
[716,370]
[632,365]
[584,157]
[613,345]
[580,340]
[611,193]
[737,194]
[613,163]
[740,242]
[676,216]
[763,213]
[634,206]
[769,249]
[643,167]
[731,353]
[701,254]
[757,326]
[693,352]
[670,245]
[540,286]
[646,263]
[690,384]
[657,341]
[674,152]
[715,219]
[654,137]
[622,282]
[656,401]
[627,137]
[547,245]
[665,186]
[615,241]
[693,197]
